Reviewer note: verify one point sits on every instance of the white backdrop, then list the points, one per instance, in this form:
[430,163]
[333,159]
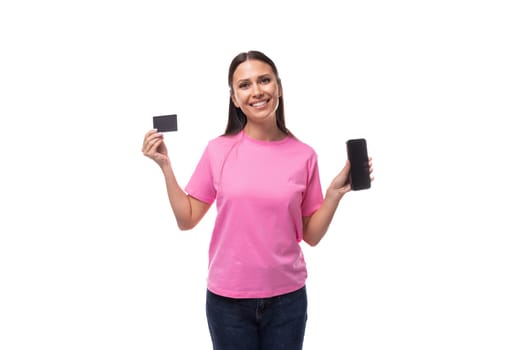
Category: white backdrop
[430,258]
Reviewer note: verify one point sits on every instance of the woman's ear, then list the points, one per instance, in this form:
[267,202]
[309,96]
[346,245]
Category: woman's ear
[234,100]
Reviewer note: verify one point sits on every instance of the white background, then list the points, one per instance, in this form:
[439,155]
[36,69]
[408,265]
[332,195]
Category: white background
[432,257]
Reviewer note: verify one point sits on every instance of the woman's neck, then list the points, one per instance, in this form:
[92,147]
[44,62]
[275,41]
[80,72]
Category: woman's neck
[263,133]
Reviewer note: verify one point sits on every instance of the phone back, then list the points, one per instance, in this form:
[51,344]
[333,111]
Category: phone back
[359,176]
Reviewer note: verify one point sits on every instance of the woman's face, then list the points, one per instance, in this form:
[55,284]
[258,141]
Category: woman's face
[256,91]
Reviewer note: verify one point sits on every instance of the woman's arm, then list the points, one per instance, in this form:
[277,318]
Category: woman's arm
[188,211]
[315,226]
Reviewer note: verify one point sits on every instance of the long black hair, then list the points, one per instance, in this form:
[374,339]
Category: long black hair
[236,118]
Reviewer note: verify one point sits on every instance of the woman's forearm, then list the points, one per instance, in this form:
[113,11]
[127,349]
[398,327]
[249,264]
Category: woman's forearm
[179,201]
[316,226]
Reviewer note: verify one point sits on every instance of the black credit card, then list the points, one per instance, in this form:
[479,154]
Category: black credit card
[165,123]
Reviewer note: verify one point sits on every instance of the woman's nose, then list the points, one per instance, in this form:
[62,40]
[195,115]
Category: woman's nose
[256,91]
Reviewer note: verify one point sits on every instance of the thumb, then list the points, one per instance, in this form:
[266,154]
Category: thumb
[342,179]
[346,169]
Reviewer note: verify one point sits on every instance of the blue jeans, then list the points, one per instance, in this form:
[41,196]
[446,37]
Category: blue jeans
[257,324]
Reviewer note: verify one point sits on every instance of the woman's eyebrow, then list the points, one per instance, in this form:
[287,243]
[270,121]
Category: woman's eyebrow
[265,75]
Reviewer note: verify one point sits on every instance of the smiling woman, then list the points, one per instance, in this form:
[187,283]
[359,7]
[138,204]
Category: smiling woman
[267,190]
[256,91]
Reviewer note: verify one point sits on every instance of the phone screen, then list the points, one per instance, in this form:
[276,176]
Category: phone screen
[165,123]
[359,176]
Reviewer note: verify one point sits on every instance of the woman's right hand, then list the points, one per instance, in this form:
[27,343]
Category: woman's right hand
[155,148]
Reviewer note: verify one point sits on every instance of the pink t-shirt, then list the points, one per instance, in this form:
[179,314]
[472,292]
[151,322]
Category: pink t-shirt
[263,189]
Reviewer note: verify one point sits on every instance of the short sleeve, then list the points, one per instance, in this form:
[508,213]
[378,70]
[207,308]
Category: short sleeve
[201,184]
[313,194]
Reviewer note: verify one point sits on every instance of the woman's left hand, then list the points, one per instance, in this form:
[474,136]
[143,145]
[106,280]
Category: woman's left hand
[340,185]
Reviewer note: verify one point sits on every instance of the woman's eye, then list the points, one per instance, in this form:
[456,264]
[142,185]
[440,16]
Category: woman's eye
[266,80]
[243,85]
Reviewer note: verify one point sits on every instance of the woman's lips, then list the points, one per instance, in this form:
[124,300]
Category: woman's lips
[259,104]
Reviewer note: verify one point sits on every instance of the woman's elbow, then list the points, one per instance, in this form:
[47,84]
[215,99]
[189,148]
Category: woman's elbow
[185,225]
[312,242]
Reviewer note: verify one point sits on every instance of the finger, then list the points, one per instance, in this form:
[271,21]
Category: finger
[151,139]
[346,168]
[148,134]
[343,174]
[152,146]
[146,146]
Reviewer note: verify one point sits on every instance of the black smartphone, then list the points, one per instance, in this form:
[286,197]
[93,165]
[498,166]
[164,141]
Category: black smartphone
[359,176]
[165,123]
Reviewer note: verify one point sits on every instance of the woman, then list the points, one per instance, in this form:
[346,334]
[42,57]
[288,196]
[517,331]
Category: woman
[268,197]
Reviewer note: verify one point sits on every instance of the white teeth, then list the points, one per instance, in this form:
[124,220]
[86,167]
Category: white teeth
[259,104]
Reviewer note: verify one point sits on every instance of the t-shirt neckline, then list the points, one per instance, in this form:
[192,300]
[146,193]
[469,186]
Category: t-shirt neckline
[247,137]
